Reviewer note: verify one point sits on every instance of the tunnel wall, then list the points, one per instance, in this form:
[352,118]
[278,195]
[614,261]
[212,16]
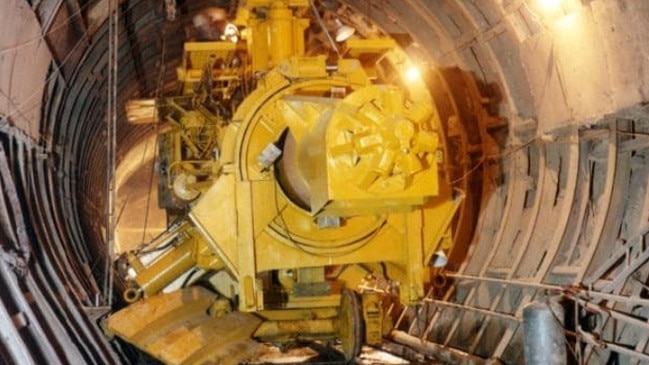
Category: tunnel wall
[554,67]
[571,211]
[49,301]
[53,87]
[24,63]
[571,82]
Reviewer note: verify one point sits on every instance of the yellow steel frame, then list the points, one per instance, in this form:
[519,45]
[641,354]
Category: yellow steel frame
[275,234]
[369,155]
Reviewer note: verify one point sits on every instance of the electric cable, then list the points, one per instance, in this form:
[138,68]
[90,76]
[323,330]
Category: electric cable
[310,249]
[42,36]
[324,29]
[159,85]
[38,93]
[111,141]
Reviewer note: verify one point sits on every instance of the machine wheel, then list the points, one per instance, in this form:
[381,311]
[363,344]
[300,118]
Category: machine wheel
[350,326]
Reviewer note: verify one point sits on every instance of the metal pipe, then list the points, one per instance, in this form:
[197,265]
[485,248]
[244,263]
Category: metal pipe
[11,340]
[544,340]
[165,269]
[13,222]
[300,328]
[570,292]
[592,340]
[281,32]
[501,281]
[614,314]
[486,312]
[440,352]
[111,143]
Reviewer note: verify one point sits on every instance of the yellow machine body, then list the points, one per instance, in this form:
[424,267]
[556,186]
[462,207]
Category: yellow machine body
[324,175]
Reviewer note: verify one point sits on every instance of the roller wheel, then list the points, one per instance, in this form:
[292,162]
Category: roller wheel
[350,325]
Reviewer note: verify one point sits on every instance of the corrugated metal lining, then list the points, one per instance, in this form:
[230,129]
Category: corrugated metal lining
[76,109]
[570,220]
[64,33]
[65,181]
[45,303]
[79,119]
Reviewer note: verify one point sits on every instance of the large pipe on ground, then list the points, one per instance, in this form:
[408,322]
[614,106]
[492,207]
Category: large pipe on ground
[544,335]
[439,352]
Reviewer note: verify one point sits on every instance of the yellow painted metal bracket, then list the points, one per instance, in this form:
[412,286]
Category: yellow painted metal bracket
[177,328]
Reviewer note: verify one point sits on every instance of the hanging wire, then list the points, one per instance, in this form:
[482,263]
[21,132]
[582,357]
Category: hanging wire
[158,90]
[329,251]
[111,142]
[30,100]
[324,28]
[41,37]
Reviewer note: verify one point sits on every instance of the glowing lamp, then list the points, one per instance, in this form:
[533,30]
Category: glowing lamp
[549,4]
[343,32]
[412,74]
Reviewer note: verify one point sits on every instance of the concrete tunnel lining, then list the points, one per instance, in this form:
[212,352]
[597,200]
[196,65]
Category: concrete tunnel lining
[573,85]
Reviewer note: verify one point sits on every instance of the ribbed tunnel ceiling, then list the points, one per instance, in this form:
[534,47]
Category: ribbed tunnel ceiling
[572,208]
